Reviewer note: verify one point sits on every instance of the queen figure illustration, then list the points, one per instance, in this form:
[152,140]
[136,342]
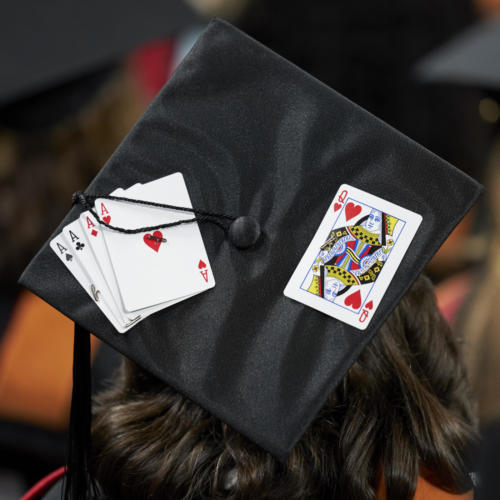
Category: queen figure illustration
[352,255]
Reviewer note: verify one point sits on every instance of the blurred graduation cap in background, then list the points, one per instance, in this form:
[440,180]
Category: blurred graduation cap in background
[57,54]
[287,169]
[471,58]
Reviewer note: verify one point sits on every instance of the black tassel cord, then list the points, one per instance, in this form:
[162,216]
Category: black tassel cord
[79,484]
[86,201]
[244,231]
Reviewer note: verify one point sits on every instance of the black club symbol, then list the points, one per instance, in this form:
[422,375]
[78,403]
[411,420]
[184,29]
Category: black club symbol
[79,245]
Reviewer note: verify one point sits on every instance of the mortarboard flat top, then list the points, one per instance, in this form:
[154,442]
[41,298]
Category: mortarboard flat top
[46,44]
[471,58]
[254,134]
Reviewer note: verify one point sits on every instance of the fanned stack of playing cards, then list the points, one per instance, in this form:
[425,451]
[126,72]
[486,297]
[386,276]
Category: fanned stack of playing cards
[131,276]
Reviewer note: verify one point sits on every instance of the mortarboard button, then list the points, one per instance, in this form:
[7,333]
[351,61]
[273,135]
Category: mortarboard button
[244,232]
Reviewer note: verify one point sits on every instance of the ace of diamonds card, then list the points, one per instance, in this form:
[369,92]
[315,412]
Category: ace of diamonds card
[353,256]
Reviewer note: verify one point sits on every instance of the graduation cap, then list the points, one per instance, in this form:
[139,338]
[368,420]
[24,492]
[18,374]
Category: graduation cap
[471,58]
[328,215]
[57,53]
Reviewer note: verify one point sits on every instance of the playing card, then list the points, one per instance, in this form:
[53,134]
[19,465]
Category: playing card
[164,265]
[353,256]
[93,230]
[63,250]
[141,191]
[75,237]
[98,257]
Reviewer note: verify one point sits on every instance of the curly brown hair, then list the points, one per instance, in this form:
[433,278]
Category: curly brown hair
[403,409]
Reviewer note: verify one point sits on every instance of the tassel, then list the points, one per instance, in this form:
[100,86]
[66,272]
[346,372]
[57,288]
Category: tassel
[79,484]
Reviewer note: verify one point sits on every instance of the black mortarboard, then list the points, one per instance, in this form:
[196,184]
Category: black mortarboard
[51,47]
[253,134]
[472,58]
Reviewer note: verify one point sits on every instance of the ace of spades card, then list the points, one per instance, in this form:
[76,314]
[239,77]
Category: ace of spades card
[353,256]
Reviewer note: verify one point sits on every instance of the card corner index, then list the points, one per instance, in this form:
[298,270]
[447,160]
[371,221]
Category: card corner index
[55,241]
[361,326]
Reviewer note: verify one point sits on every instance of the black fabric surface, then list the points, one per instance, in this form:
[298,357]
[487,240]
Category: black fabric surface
[253,134]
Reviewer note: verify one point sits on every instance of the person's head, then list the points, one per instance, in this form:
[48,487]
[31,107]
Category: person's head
[400,411]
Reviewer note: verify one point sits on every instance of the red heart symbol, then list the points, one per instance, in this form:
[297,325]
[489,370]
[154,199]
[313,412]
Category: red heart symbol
[107,219]
[353,300]
[201,265]
[369,305]
[351,210]
[336,206]
[153,243]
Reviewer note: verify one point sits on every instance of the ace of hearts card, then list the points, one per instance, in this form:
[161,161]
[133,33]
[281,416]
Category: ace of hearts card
[161,267]
[353,256]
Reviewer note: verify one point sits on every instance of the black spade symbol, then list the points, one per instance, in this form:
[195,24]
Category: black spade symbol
[69,257]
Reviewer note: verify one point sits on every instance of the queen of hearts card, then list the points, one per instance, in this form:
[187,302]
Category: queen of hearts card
[352,255]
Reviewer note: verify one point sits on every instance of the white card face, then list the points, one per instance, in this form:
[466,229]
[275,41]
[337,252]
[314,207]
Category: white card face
[141,191]
[129,191]
[353,256]
[75,237]
[63,250]
[93,230]
[149,270]
[98,256]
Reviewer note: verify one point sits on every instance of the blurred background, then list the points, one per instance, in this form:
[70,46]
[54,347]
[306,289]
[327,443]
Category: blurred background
[74,78]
